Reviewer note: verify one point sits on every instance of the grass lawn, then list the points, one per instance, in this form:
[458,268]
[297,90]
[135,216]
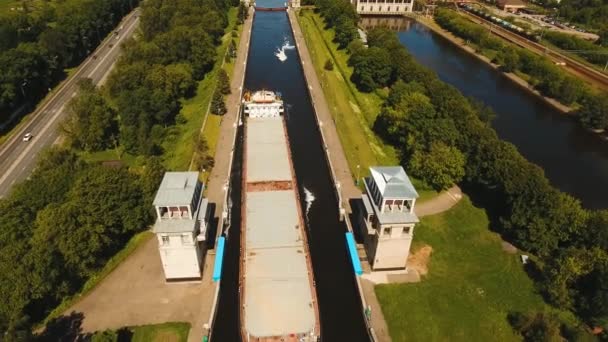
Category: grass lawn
[471,286]
[167,332]
[179,143]
[354,112]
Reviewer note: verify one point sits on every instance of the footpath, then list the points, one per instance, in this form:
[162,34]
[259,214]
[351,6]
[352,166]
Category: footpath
[342,174]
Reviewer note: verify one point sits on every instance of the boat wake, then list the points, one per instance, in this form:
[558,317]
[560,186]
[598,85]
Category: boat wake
[280,53]
[308,198]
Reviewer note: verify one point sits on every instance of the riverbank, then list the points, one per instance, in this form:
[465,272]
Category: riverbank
[457,41]
[353,112]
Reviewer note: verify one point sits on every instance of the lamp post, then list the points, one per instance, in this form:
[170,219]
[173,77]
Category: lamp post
[358,169]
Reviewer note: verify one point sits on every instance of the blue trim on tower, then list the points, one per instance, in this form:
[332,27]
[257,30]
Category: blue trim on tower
[219,258]
[354,256]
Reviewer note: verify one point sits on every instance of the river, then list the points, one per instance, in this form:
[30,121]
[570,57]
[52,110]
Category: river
[574,160]
[339,304]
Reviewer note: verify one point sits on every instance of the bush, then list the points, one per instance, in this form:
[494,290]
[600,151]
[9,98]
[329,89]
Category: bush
[329,65]
[218,106]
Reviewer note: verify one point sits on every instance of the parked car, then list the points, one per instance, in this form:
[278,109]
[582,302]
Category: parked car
[28,136]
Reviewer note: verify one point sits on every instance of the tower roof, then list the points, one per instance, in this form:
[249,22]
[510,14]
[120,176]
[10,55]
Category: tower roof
[393,182]
[177,188]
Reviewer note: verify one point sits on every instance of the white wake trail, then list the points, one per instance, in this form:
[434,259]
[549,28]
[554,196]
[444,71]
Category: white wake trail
[309,198]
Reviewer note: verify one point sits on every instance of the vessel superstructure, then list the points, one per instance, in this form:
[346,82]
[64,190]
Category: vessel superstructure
[277,293]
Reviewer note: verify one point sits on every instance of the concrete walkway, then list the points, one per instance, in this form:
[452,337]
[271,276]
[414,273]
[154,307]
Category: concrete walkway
[443,202]
[336,152]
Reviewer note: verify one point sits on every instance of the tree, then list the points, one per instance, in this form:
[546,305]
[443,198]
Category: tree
[329,65]
[509,60]
[372,68]
[232,49]
[594,112]
[218,106]
[571,90]
[223,82]
[202,160]
[440,167]
[536,327]
[346,31]
[104,208]
[91,120]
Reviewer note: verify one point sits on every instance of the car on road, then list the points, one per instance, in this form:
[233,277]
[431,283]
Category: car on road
[27,137]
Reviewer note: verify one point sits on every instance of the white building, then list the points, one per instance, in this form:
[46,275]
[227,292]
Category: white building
[388,217]
[181,224]
[383,7]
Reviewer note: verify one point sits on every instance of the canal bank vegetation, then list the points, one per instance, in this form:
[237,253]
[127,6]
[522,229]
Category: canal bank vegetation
[353,111]
[425,116]
[591,107]
[589,51]
[72,215]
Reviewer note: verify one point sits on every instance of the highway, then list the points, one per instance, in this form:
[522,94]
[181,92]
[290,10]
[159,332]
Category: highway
[18,157]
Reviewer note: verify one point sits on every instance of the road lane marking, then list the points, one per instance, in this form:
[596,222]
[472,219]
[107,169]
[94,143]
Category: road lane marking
[31,145]
[116,46]
[61,89]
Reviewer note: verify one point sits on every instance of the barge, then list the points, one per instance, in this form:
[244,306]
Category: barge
[278,300]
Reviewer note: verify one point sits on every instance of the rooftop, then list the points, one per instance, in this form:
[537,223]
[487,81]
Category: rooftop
[177,188]
[393,182]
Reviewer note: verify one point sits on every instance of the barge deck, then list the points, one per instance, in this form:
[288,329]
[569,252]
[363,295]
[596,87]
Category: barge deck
[277,291]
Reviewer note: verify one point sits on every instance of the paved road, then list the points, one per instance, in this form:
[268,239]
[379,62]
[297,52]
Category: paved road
[18,157]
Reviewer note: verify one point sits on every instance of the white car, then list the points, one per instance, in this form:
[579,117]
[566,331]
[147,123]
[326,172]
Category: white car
[27,137]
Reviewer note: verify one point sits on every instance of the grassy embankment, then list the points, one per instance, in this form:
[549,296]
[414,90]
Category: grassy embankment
[354,112]
[179,147]
[179,140]
[471,286]
[166,332]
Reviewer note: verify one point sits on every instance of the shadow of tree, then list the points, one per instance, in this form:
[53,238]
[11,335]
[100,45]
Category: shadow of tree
[65,328]
[69,329]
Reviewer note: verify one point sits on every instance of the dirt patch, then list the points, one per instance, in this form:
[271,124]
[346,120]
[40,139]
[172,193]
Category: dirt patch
[269,186]
[419,260]
[509,248]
